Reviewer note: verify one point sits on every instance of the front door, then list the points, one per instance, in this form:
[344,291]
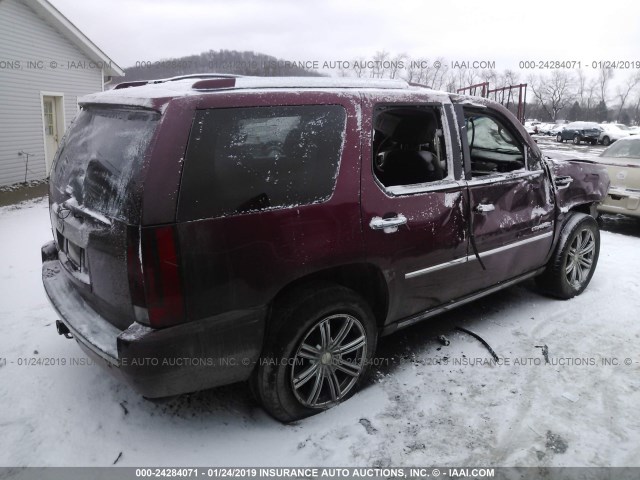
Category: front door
[510,198]
[50,113]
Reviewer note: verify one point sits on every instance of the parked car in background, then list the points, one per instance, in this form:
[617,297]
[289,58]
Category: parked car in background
[556,129]
[610,132]
[215,230]
[578,132]
[622,160]
[532,125]
[544,128]
[634,130]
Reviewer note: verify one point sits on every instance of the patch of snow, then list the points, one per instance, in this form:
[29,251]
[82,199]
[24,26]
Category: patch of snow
[450,199]
[423,405]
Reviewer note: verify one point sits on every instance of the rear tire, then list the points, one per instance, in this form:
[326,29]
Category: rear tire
[606,141]
[574,260]
[320,342]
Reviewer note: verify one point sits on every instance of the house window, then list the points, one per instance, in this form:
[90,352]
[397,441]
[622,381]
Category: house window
[48,117]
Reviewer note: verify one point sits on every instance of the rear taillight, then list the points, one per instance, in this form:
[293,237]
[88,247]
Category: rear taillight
[154,277]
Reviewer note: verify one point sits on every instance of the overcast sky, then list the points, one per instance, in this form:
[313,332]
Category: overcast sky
[504,31]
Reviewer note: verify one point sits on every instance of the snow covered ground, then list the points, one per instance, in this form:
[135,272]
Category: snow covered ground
[426,404]
[584,150]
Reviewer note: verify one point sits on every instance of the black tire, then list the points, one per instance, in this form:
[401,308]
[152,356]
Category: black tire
[606,141]
[302,316]
[576,139]
[566,274]
[559,138]
[594,142]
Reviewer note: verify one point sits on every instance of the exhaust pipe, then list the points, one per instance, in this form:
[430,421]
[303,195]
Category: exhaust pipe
[63,329]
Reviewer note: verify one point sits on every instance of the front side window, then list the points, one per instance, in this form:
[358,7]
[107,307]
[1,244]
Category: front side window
[246,159]
[493,147]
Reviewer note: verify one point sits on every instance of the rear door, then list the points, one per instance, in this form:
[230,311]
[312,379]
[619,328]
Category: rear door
[510,195]
[413,204]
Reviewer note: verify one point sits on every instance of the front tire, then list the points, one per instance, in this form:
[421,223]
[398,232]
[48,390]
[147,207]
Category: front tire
[606,141]
[576,139]
[320,342]
[574,261]
[559,138]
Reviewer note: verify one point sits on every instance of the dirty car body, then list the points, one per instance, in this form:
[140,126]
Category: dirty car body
[622,161]
[204,226]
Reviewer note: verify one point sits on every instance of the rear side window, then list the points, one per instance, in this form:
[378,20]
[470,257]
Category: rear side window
[246,159]
[100,158]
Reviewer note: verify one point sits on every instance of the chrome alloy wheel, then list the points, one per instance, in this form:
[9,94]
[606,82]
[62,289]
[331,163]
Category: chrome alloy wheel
[329,361]
[580,258]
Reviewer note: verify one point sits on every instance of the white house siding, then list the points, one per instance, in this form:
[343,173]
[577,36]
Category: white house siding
[25,37]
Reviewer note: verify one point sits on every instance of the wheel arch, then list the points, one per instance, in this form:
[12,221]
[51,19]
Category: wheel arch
[590,208]
[365,279]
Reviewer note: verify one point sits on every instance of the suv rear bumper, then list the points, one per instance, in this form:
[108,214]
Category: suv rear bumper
[158,363]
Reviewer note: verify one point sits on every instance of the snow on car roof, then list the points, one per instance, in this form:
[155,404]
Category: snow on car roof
[147,94]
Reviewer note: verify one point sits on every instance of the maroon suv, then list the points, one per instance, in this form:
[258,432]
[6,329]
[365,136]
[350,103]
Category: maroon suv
[213,230]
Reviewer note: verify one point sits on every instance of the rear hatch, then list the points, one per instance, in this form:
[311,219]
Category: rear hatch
[591,131]
[95,204]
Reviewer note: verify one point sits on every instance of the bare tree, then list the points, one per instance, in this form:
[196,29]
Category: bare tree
[359,67]
[473,76]
[413,71]
[553,92]
[592,87]
[440,73]
[604,76]
[636,110]
[344,72]
[461,78]
[509,77]
[420,70]
[581,83]
[448,79]
[398,63]
[380,59]
[623,91]
[490,76]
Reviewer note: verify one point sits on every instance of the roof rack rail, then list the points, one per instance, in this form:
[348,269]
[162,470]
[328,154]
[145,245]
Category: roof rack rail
[135,83]
[200,75]
[214,83]
[415,84]
[139,83]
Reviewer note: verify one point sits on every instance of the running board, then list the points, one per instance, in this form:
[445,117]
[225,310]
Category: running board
[408,321]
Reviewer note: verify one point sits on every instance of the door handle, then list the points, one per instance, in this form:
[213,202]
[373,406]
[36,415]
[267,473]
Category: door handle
[563,182]
[388,225]
[484,208]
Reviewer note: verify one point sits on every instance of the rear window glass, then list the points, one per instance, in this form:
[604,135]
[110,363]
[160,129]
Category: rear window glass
[100,156]
[247,159]
[623,149]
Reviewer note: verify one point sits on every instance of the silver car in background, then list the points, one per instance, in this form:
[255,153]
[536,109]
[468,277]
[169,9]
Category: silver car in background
[622,160]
